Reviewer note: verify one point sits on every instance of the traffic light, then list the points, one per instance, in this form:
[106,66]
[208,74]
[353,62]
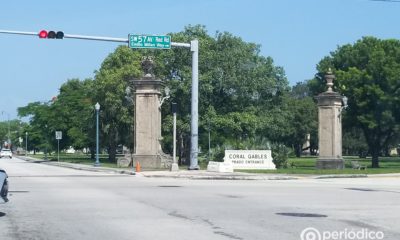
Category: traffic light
[174,107]
[51,34]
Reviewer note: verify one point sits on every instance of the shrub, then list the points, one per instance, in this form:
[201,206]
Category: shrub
[280,155]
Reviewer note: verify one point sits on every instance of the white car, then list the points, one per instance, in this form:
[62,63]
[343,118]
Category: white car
[5,153]
[3,186]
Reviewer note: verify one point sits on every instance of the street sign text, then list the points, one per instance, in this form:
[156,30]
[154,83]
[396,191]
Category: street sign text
[149,41]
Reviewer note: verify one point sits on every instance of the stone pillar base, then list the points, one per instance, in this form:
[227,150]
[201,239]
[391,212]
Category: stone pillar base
[161,161]
[148,161]
[124,161]
[330,163]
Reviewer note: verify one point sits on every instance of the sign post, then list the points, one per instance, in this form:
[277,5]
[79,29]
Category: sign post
[58,137]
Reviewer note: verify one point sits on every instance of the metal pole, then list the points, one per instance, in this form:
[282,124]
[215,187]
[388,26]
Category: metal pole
[174,166]
[26,144]
[83,37]
[46,142]
[97,136]
[174,151]
[194,48]
[58,150]
[209,140]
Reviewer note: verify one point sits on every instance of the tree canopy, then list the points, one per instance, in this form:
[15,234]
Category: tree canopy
[243,97]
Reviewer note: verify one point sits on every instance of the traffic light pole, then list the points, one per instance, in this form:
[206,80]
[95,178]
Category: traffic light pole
[194,48]
[95,38]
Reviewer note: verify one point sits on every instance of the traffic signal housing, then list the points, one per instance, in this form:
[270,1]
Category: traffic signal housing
[51,34]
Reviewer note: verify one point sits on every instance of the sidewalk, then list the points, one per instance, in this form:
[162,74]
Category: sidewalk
[203,174]
[193,174]
[79,166]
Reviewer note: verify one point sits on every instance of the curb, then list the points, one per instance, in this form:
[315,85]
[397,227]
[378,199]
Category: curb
[203,174]
[78,166]
[341,176]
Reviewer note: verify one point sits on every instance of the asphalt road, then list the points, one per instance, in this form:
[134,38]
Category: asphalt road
[48,202]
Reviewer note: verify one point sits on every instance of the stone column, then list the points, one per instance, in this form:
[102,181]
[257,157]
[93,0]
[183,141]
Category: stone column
[330,127]
[148,119]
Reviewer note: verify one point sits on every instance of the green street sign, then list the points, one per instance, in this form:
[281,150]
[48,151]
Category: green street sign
[149,41]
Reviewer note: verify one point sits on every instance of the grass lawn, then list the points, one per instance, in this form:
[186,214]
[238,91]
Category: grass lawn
[303,165]
[77,158]
[306,165]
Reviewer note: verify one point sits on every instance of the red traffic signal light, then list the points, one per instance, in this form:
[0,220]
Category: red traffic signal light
[51,34]
[43,34]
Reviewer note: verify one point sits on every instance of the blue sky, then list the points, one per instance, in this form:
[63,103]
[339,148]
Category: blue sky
[297,34]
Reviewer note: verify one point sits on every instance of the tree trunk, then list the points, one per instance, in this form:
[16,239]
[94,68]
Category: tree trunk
[112,145]
[180,149]
[112,152]
[375,156]
[187,150]
[298,149]
[374,146]
[92,153]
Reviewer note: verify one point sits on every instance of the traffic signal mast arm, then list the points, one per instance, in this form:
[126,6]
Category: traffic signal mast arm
[109,39]
[95,38]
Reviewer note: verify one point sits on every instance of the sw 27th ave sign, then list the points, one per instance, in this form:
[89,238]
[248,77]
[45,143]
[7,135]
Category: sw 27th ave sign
[151,41]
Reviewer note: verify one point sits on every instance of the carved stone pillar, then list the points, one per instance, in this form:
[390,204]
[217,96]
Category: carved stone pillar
[148,120]
[330,127]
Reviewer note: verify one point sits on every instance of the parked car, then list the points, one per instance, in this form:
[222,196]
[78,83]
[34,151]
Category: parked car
[3,185]
[5,153]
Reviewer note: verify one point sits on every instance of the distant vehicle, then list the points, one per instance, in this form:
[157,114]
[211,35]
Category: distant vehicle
[5,153]
[3,185]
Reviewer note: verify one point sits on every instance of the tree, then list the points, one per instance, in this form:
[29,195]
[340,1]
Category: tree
[241,95]
[39,130]
[74,114]
[12,129]
[367,72]
[110,85]
[71,112]
[237,87]
[303,121]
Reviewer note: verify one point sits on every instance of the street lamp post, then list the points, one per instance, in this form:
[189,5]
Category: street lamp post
[174,166]
[97,107]
[26,144]
[46,142]
[209,140]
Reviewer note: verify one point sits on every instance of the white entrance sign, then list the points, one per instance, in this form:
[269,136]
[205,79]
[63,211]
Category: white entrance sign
[249,159]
